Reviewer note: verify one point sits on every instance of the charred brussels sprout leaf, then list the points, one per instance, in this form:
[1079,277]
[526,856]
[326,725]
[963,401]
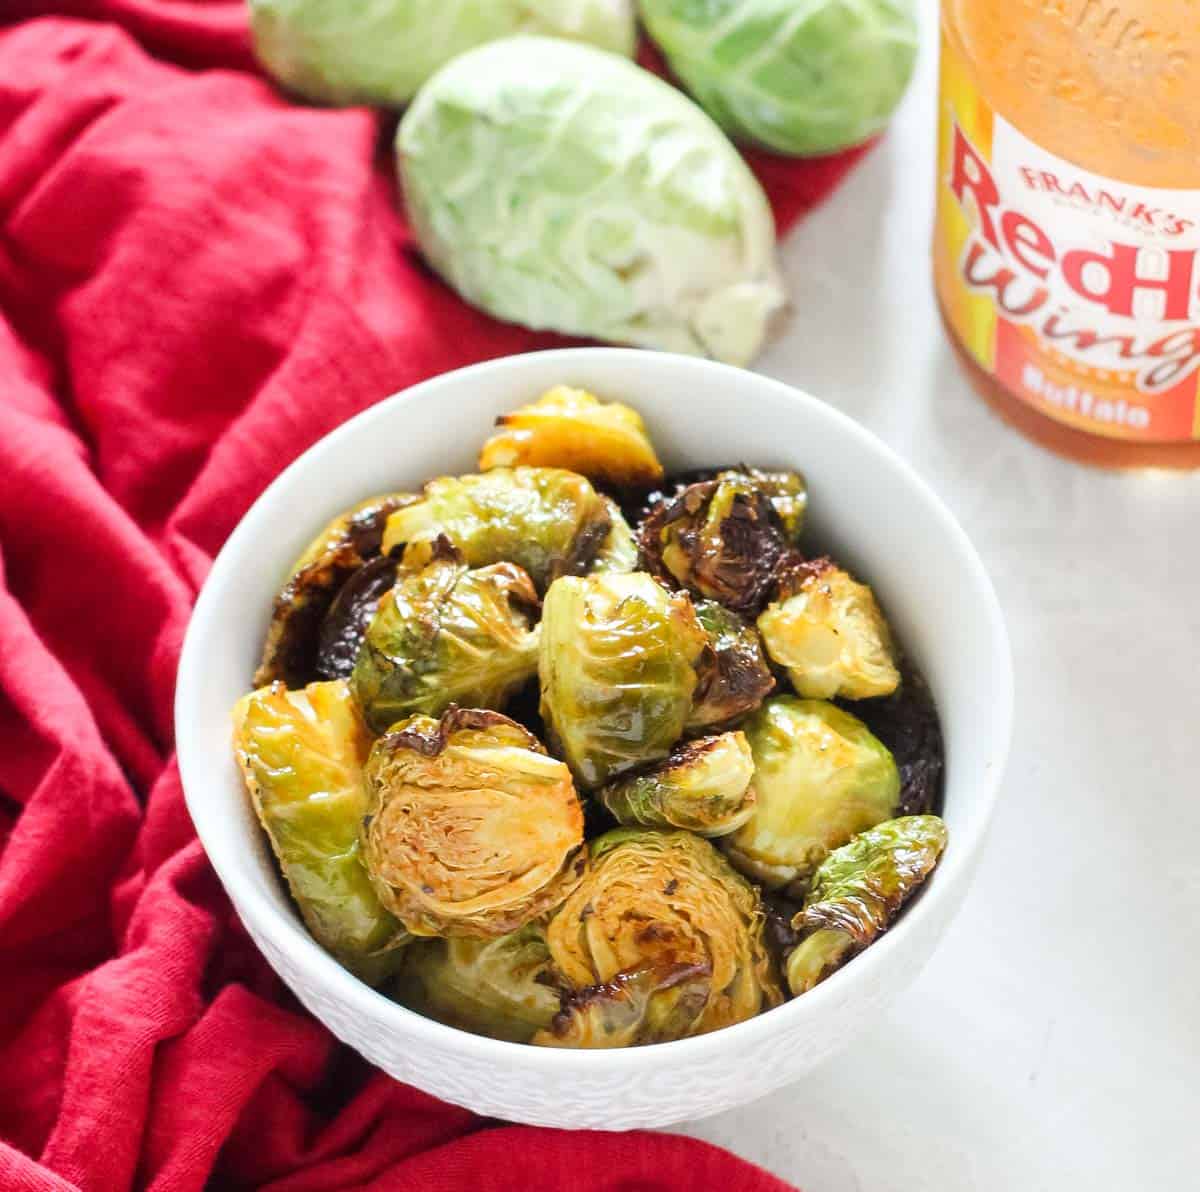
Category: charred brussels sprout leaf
[504,988]
[798,78]
[379,53]
[704,786]
[549,521]
[820,777]
[570,428]
[471,829]
[734,678]
[616,663]
[788,494]
[720,539]
[662,940]
[858,890]
[619,550]
[345,625]
[342,547]
[302,754]
[565,189]
[445,634]
[830,636]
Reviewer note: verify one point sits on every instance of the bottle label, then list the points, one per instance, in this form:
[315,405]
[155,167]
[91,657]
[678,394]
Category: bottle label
[1079,293]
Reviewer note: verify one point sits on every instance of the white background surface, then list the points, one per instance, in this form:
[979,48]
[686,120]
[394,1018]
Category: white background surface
[1054,1040]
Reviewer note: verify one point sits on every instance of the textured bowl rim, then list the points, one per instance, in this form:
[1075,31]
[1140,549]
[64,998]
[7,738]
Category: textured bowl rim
[294,941]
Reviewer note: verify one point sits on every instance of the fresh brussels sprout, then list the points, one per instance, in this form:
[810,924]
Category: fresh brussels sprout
[827,630]
[471,828]
[504,988]
[619,550]
[549,521]
[566,189]
[720,539]
[820,777]
[352,51]
[703,786]
[799,78]
[446,634]
[302,754]
[342,547]
[857,891]
[734,676]
[573,429]
[661,940]
[616,662]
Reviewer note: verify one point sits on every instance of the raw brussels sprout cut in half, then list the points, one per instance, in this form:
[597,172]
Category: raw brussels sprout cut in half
[567,189]
[820,777]
[619,550]
[720,539]
[662,940]
[471,828]
[292,653]
[703,786]
[798,78]
[616,661]
[446,634]
[734,678]
[381,51]
[827,631]
[571,428]
[504,988]
[858,890]
[549,521]
[302,754]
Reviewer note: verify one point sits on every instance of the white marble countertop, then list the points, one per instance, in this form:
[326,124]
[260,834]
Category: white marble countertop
[1054,1040]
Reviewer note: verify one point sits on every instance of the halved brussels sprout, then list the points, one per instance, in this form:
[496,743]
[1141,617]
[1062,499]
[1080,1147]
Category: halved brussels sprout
[446,635]
[351,539]
[471,828]
[616,663]
[504,988]
[340,52]
[661,940]
[549,521]
[619,550]
[800,78]
[820,777]
[703,786]
[858,890]
[720,539]
[302,754]
[734,678]
[573,429]
[828,632]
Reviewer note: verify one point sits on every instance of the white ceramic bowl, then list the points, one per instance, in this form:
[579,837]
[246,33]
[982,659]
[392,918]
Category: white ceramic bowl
[867,505]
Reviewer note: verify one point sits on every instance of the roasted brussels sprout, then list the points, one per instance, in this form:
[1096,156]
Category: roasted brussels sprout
[345,624]
[338,52]
[660,941]
[820,777]
[720,539]
[703,786]
[571,428]
[619,550]
[549,521]
[734,678]
[857,891]
[342,547]
[471,828]
[788,494]
[562,188]
[301,754]
[828,632]
[616,663]
[799,78]
[504,988]
[445,634]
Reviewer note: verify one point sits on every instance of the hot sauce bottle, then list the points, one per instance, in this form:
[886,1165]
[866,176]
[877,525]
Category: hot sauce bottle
[1068,220]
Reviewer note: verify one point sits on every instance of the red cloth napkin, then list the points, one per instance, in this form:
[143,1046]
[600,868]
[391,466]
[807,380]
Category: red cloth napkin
[197,279]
